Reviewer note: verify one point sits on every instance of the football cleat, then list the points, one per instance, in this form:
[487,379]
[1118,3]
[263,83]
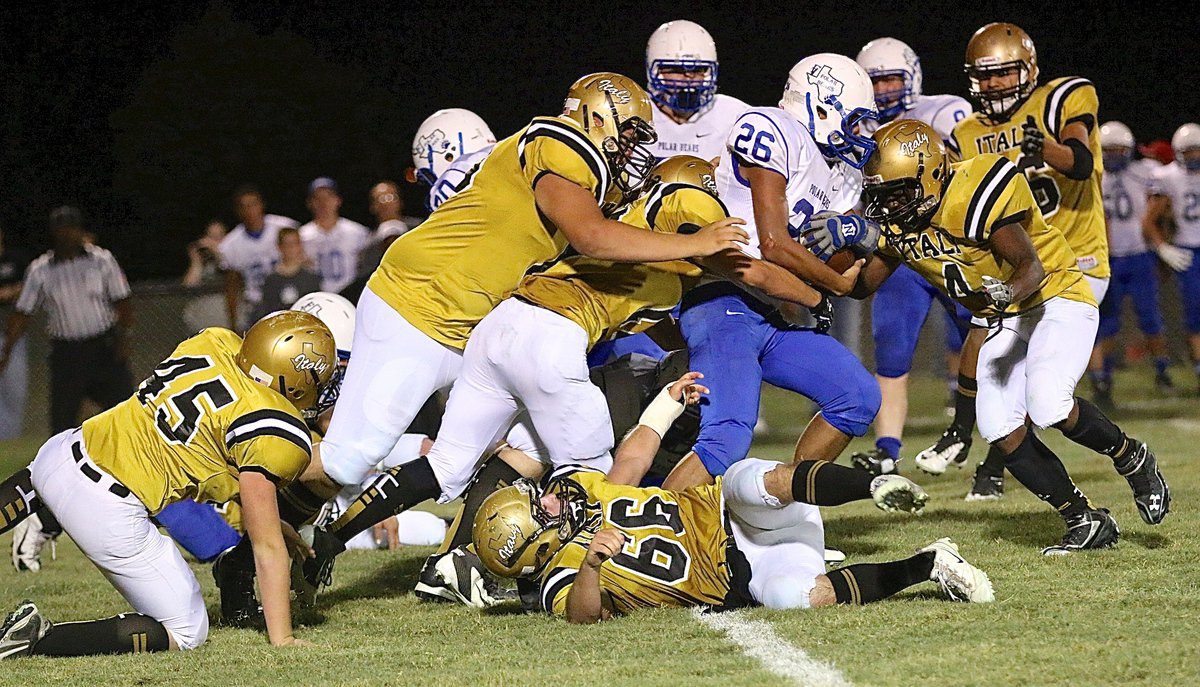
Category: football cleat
[1091,529]
[951,448]
[959,580]
[1164,384]
[987,487]
[430,585]
[875,461]
[317,572]
[239,605]
[1150,491]
[894,494]
[21,630]
[469,582]
[834,555]
[29,539]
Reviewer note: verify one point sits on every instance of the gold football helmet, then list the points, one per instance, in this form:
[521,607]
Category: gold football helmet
[516,535]
[685,169]
[992,52]
[903,182]
[619,118]
[291,352]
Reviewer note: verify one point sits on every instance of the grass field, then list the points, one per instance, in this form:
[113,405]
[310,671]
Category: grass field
[1129,616]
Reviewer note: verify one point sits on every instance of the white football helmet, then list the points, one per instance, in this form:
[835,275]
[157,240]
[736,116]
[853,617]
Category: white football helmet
[445,136]
[1117,144]
[1187,137]
[681,46]
[829,95]
[885,57]
[336,313]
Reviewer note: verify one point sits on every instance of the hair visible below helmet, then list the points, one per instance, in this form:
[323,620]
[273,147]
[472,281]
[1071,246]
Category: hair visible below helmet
[998,47]
[1186,137]
[445,136]
[337,313]
[685,169]
[291,352]
[616,114]
[903,182]
[686,46]
[884,57]
[1117,144]
[515,536]
[829,95]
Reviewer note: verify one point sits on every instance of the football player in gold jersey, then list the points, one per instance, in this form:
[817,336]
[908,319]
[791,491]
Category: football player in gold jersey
[1051,133]
[218,420]
[601,548]
[527,359]
[975,231]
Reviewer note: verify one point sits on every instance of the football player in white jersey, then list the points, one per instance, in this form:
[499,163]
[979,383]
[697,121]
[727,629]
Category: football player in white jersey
[448,147]
[691,118]
[783,165]
[902,303]
[332,241]
[1126,185]
[249,253]
[1176,194]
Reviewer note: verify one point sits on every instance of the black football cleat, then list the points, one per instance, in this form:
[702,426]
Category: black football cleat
[1150,491]
[987,486]
[1091,529]
[235,582]
[876,461]
[21,630]
[317,572]
[431,586]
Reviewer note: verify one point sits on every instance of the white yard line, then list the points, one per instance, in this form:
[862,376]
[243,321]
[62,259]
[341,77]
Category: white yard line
[757,639]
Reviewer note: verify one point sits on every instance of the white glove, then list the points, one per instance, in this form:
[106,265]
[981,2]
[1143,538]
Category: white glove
[998,293]
[1178,259]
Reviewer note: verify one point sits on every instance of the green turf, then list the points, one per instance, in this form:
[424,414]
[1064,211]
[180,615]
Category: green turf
[1123,617]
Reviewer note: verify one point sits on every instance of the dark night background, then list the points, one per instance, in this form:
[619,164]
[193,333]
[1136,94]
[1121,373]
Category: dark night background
[148,116]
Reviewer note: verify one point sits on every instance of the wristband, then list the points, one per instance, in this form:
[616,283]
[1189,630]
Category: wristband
[662,412]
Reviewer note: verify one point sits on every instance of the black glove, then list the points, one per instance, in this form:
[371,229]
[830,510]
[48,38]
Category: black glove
[823,314]
[1033,144]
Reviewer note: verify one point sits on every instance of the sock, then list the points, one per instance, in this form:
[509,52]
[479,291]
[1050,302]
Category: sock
[1109,364]
[822,483]
[964,404]
[993,464]
[1041,472]
[866,582]
[17,500]
[890,446]
[1160,365]
[494,475]
[396,490]
[1095,431]
[298,504]
[128,633]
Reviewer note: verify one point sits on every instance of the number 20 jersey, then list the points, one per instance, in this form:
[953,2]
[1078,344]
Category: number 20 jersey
[674,554]
[1183,188]
[195,424]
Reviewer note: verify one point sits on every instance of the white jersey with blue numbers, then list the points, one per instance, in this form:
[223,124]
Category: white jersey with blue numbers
[703,135]
[941,112]
[253,255]
[1125,204]
[770,138]
[335,252]
[1183,188]
[456,177]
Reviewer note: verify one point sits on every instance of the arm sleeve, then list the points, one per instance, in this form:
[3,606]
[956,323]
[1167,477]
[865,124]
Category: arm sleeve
[1001,197]
[271,442]
[31,290]
[551,146]
[758,140]
[1073,100]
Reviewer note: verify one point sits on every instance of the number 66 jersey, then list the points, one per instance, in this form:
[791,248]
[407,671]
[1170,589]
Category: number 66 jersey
[674,552]
[195,424]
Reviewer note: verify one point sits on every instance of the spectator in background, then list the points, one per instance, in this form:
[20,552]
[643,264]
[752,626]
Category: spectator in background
[248,254]
[15,378]
[291,278]
[204,271]
[386,206]
[86,298]
[333,242]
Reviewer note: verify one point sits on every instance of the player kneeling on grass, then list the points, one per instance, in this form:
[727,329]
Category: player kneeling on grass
[754,537]
[221,417]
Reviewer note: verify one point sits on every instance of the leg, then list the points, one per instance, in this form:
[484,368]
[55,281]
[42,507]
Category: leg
[1189,292]
[1143,288]
[113,380]
[1095,367]
[14,386]
[198,528]
[66,389]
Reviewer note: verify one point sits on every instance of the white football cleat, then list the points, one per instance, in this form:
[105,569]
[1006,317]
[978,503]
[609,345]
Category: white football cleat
[28,541]
[21,630]
[951,448]
[959,580]
[896,494]
[834,555]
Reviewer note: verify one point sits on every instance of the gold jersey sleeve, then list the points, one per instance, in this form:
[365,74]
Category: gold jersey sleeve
[1075,207]
[610,299]
[194,425]
[444,276]
[954,253]
[674,554]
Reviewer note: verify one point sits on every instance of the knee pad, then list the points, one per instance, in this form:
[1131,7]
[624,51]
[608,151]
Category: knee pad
[147,634]
[722,444]
[787,591]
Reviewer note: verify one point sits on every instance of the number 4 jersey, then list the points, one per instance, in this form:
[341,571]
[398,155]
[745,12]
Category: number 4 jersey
[195,424]
[674,552]
[954,252]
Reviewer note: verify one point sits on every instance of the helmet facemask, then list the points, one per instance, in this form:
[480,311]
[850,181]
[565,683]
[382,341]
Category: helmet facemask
[893,103]
[1116,158]
[1000,104]
[843,143]
[901,206]
[327,395]
[628,157]
[686,96]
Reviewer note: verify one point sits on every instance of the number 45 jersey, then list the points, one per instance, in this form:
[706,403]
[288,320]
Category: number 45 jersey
[195,424]
[674,554]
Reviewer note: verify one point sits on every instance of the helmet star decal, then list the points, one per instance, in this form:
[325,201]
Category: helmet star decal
[828,86]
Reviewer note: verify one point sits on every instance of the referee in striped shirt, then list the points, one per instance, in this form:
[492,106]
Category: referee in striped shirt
[86,298]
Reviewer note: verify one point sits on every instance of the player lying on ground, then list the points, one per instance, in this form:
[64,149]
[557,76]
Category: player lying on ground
[754,537]
[220,419]
[974,230]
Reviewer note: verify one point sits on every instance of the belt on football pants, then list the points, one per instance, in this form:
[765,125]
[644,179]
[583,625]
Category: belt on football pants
[116,488]
[739,572]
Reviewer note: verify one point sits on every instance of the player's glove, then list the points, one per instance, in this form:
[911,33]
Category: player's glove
[827,232]
[1178,259]
[1033,144]
[823,314]
[999,294]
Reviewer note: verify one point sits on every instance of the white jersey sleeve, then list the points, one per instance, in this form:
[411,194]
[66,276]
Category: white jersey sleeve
[758,139]
[456,177]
